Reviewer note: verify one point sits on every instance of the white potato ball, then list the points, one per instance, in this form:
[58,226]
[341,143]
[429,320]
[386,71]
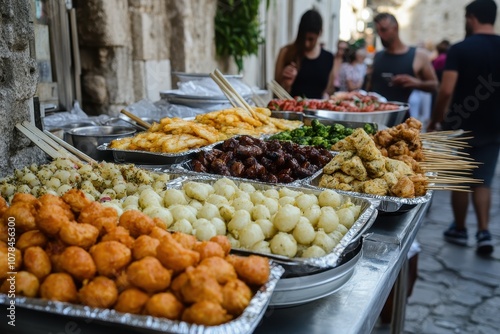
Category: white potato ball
[163,178]
[226,212]
[272,205]
[24,188]
[346,217]
[44,174]
[324,241]
[272,193]
[130,207]
[241,194]
[149,197]
[220,184]
[250,235]
[262,247]
[208,211]
[114,205]
[217,200]
[304,232]
[204,230]
[287,192]
[120,190]
[226,191]
[267,227]
[283,244]
[132,188]
[312,214]
[356,210]
[241,219]
[131,200]
[235,243]
[182,212]
[286,200]
[174,196]
[342,229]
[287,218]
[53,183]
[220,225]
[313,251]
[62,175]
[328,220]
[305,201]
[336,236]
[247,187]
[242,204]
[260,212]
[159,212]
[109,193]
[198,190]
[329,197]
[257,197]
[197,205]
[63,189]
[183,226]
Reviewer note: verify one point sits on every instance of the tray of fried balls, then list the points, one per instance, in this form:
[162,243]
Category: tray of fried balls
[247,157]
[77,258]
[305,230]
[390,174]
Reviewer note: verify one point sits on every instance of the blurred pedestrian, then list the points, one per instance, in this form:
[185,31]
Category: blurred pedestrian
[303,67]
[399,69]
[471,81]
[353,70]
[339,59]
[439,62]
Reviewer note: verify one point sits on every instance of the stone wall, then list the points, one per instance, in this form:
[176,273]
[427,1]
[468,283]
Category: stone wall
[18,76]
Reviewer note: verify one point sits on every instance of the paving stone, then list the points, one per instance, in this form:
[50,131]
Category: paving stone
[425,294]
[415,312]
[487,313]
[483,277]
[464,297]
[451,309]
[481,329]
[441,326]
[430,264]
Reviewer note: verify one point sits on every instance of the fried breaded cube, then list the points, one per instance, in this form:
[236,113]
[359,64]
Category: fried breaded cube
[355,168]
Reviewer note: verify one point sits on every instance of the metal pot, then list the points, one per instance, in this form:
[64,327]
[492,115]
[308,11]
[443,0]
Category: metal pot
[74,125]
[87,138]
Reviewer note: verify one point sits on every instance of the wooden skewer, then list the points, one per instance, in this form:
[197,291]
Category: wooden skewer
[455,173]
[38,142]
[444,156]
[445,133]
[454,181]
[449,188]
[275,91]
[228,94]
[444,150]
[136,119]
[70,148]
[282,90]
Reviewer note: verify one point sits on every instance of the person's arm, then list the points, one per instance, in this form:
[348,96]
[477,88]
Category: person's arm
[330,88]
[425,80]
[284,74]
[443,99]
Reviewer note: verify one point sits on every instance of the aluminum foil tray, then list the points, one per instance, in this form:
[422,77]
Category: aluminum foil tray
[387,204]
[245,323]
[304,266]
[148,158]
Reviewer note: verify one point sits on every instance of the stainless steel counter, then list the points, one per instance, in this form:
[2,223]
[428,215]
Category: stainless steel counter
[353,309]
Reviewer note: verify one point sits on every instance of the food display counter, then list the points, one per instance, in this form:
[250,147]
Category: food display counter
[352,309]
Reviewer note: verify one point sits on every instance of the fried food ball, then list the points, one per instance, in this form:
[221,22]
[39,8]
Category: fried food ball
[26,198]
[60,287]
[105,219]
[178,282]
[37,262]
[144,246]
[220,268]
[81,235]
[100,292]
[199,286]
[49,199]
[121,235]
[164,305]
[24,214]
[173,256]
[236,296]
[160,223]
[149,275]
[50,219]
[30,239]
[158,233]
[76,199]
[136,222]
[3,206]
[110,257]
[223,241]
[26,284]
[206,313]
[253,270]
[122,282]
[208,249]
[77,262]
[4,230]
[131,301]
[186,240]
[54,249]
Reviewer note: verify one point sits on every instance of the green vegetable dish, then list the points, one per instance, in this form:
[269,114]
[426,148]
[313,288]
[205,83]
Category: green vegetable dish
[319,134]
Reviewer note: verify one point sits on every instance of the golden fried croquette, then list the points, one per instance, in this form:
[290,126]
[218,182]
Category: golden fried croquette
[164,305]
[420,183]
[160,223]
[144,246]
[24,214]
[26,198]
[364,145]
[375,168]
[220,268]
[178,282]
[149,275]
[173,256]
[200,285]
[50,219]
[158,233]
[253,270]
[105,219]
[121,235]
[206,313]
[223,241]
[4,263]
[3,206]
[355,168]
[60,287]
[122,282]
[110,257]
[49,199]
[186,240]
[76,199]
[100,292]
[136,222]
[26,284]
[404,188]
[131,301]
[54,249]
[376,187]
[37,262]
[81,235]
[4,230]
[31,238]
[208,249]
[236,296]
[77,262]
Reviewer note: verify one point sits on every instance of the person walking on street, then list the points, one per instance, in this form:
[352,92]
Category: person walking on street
[399,69]
[471,82]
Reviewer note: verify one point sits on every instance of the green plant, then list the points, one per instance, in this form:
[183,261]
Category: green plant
[237,29]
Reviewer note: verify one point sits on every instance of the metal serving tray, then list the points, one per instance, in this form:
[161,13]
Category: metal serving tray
[387,204]
[304,266]
[245,323]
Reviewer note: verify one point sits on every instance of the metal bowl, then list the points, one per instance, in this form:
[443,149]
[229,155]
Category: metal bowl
[87,138]
[388,118]
[183,76]
[74,125]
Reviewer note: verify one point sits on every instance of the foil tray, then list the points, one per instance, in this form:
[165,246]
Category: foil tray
[387,204]
[148,158]
[245,323]
[303,266]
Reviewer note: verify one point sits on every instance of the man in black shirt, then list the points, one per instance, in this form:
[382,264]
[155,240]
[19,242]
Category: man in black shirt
[471,81]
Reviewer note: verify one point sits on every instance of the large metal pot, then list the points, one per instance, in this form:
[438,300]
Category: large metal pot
[87,138]
[74,125]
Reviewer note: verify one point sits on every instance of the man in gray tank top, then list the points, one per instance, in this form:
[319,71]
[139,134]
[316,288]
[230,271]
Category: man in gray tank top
[399,69]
